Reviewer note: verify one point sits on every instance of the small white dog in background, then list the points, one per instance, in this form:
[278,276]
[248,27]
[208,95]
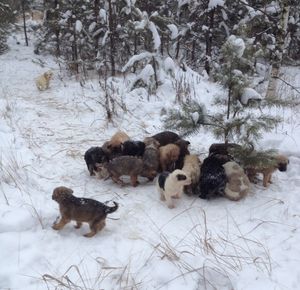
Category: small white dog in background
[42,82]
[170,185]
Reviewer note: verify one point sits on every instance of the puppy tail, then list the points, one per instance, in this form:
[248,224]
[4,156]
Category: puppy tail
[111,209]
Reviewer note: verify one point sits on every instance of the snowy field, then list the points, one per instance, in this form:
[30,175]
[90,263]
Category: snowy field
[216,244]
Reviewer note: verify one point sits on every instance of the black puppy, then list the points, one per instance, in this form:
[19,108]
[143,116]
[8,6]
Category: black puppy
[133,148]
[183,145]
[212,181]
[166,137]
[94,155]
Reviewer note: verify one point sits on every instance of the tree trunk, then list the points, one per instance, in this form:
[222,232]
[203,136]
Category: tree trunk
[112,39]
[208,39]
[24,21]
[280,44]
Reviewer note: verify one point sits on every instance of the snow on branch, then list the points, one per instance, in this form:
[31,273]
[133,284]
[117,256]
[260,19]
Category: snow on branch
[135,58]
[156,38]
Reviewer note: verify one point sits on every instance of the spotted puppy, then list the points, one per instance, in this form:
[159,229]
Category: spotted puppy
[170,185]
[280,163]
[238,183]
[80,210]
[43,81]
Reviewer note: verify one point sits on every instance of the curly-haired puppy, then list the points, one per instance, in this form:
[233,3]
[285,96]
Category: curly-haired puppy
[80,210]
[166,137]
[238,182]
[43,81]
[112,147]
[170,185]
[168,155]
[151,155]
[133,148]
[191,167]
[281,163]
[93,156]
[212,179]
[127,165]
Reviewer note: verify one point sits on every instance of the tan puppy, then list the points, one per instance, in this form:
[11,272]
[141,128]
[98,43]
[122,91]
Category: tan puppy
[191,167]
[80,210]
[168,155]
[114,144]
[170,185]
[238,183]
[43,81]
[281,163]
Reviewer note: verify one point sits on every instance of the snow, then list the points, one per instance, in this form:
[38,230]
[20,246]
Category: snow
[201,244]
[174,30]
[214,3]
[250,94]
[135,58]
[155,35]
[78,26]
[238,44]
[169,65]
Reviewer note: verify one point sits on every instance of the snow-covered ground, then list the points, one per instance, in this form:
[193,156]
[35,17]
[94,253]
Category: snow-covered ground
[216,244]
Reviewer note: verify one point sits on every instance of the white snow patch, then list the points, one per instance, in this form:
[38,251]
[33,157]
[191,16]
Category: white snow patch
[174,30]
[250,94]
[78,26]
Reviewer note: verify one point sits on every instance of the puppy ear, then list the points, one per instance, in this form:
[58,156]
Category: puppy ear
[68,190]
[181,177]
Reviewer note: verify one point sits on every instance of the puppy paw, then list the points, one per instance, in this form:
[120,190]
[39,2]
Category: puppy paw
[55,227]
[171,206]
[89,235]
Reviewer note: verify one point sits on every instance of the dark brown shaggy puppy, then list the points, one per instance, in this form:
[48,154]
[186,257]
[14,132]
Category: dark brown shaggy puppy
[183,145]
[80,210]
[166,137]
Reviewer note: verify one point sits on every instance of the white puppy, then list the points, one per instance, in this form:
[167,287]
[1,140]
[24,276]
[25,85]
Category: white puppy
[191,167]
[170,185]
[42,82]
[238,182]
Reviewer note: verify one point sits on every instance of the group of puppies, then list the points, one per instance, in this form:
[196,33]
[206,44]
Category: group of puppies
[165,154]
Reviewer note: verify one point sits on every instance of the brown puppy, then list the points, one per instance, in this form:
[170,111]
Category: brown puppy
[191,167]
[43,81]
[166,137]
[80,210]
[168,155]
[113,146]
[281,163]
[126,165]
[151,155]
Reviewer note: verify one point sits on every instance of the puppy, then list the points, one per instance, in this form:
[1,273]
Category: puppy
[133,148]
[80,210]
[43,81]
[280,163]
[93,156]
[168,155]
[127,165]
[166,137]
[222,148]
[151,156]
[212,181]
[183,145]
[191,167]
[170,185]
[238,182]
[112,148]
